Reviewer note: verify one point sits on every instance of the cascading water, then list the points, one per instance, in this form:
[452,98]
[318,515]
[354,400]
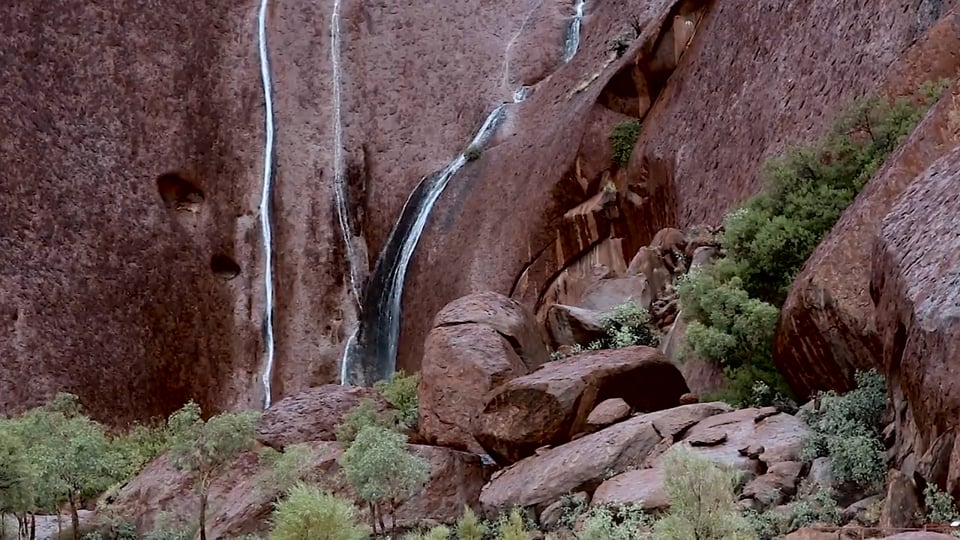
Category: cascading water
[339,182]
[265,225]
[572,42]
[374,344]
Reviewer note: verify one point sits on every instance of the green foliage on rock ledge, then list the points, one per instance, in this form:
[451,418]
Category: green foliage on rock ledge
[847,429]
[733,305]
[622,139]
[400,391]
[626,325]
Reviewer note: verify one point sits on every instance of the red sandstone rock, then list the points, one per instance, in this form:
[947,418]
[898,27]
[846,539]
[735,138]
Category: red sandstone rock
[311,415]
[608,412]
[551,405]
[827,329]
[479,342]
[915,287]
[568,325]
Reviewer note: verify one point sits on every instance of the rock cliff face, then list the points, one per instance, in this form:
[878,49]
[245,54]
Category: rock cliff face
[754,77]
[827,328]
[915,284]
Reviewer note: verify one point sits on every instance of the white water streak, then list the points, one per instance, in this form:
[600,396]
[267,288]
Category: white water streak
[339,182]
[572,44]
[265,206]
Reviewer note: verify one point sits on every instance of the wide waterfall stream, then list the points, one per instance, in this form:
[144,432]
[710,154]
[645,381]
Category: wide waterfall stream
[374,344]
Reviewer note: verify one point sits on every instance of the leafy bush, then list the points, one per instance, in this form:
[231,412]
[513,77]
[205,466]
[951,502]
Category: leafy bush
[141,445]
[604,523]
[940,506]
[572,508]
[819,507]
[512,527]
[473,153]
[308,513]
[623,139]
[768,525]
[363,415]
[626,325]
[400,391]
[284,469]
[469,527]
[702,500]
[847,429]
[382,471]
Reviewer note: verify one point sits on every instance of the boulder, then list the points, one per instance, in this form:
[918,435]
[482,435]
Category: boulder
[780,436]
[827,327]
[550,405]
[585,463]
[552,514]
[569,325]
[478,343]
[311,415]
[915,284]
[901,505]
[579,465]
[861,511]
[608,293]
[608,412]
[920,535]
[643,487]
[775,486]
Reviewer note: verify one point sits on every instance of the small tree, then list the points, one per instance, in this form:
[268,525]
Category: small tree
[308,513]
[470,527]
[285,469]
[702,501]
[400,391]
[203,447]
[15,476]
[383,472]
[364,414]
[622,139]
[72,456]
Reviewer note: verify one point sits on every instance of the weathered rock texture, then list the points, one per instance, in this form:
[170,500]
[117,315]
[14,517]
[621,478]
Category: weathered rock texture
[827,329]
[777,73]
[916,287]
[478,343]
[551,405]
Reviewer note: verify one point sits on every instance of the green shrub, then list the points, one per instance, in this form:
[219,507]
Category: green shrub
[400,391]
[626,325]
[940,506]
[702,500]
[847,429]
[364,414]
[819,507]
[572,508]
[512,527]
[606,523]
[308,513]
[623,139]
[768,525]
[469,527]
[473,153]
[382,471]
[283,470]
[141,445]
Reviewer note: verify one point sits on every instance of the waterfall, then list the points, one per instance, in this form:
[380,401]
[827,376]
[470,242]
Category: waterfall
[374,344]
[265,205]
[572,42]
[340,184]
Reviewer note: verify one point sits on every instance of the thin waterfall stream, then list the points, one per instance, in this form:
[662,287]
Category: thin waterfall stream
[371,352]
[265,225]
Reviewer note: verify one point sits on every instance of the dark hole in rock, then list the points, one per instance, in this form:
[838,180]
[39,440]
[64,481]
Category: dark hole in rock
[224,266]
[178,192]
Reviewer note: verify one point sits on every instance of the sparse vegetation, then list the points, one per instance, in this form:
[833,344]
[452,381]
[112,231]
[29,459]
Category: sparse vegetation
[308,513]
[702,501]
[939,505]
[470,527]
[847,429]
[364,414]
[205,446]
[473,153]
[733,305]
[622,139]
[283,470]
[384,474]
[607,523]
[626,325]
[400,391]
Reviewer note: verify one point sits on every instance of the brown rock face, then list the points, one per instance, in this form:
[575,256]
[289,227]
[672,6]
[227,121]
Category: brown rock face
[915,285]
[568,325]
[478,343]
[791,76]
[311,415]
[551,405]
[827,329]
